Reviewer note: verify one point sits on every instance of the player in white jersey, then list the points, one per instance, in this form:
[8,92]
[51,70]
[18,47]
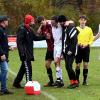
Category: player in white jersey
[57,36]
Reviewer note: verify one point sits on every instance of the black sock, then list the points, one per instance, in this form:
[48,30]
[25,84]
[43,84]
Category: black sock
[77,74]
[58,78]
[49,72]
[85,73]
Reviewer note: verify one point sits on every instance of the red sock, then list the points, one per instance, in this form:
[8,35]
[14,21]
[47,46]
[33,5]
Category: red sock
[76,81]
[71,81]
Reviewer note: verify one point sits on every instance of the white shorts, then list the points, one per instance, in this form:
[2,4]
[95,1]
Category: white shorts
[57,51]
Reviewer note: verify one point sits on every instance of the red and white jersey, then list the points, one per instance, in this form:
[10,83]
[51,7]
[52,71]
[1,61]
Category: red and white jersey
[50,42]
[57,35]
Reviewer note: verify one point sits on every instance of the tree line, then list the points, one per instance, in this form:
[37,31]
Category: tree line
[17,9]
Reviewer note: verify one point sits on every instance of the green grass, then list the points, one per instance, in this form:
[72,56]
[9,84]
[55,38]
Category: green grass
[91,92]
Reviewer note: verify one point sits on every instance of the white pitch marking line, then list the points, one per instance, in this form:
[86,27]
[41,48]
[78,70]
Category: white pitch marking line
[99,57]
[43,92]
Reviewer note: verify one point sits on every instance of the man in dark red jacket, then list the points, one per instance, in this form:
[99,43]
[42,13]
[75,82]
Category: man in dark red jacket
[25,38]
[46,30]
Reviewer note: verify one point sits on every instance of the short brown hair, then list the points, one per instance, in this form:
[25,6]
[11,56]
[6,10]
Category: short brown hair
[83,17]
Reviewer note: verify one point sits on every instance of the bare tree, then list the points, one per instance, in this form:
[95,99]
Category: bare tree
[79,3]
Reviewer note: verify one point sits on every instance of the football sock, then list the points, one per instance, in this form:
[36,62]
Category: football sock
[49,72]
[77,74]
[58,73]
[85,73]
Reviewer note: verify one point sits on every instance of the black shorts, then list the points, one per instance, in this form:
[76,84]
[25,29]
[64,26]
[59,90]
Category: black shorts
[49,55]
[83,54]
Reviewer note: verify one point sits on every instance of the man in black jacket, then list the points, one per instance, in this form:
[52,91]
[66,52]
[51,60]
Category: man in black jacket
[4,50]
[69,46]
[25,38]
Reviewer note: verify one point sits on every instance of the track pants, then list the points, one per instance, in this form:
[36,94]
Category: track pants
[69,66]
[26,68]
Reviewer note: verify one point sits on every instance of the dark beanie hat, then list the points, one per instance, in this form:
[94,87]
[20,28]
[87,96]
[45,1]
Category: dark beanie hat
[62,18]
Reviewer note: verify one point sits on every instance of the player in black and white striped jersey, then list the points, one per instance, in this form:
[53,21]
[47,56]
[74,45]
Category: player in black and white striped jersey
[69,48]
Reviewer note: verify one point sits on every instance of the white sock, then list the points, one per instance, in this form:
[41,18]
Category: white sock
[59,72]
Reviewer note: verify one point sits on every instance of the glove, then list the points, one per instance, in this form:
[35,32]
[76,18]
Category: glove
[69,53]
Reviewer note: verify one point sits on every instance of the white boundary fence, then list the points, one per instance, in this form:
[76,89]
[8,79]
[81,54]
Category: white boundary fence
[42,44]
[96,43]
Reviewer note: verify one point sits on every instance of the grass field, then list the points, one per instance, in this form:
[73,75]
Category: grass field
[91,92]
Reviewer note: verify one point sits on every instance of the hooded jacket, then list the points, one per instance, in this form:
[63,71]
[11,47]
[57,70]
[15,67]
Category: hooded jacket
[4,48]
[69,42]
[25,38]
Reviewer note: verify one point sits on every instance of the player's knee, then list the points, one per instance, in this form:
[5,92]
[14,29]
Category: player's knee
[85,66]
[77,66]
[47,65]
[56,60]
